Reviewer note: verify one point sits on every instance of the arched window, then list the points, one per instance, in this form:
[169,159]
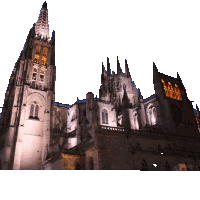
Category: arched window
[44,55]
[167,166]
[37,53]
[34,110]
[144,165]
[152,115]
[104,116]
[31,111]
[136,123]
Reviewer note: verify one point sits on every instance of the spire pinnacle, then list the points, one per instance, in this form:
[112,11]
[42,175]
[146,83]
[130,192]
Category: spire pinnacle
[119,70]
[103,71]
[127,70]
[42,26]
[108,67]
[44,5]
[155,70]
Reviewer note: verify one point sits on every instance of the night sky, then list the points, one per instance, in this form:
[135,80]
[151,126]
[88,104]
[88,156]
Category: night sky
[86,37]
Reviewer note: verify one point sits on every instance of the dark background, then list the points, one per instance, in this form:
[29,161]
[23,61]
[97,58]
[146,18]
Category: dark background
[87,35]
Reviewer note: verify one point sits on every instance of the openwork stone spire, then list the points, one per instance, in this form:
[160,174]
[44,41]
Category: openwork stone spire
[42,26]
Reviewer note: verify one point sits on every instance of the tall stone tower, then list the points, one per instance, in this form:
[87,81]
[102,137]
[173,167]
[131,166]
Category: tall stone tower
[26,116]
[113,86]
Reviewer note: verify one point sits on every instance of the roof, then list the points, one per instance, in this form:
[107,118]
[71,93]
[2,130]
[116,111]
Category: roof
[149,98]
[61,105]
[67,105]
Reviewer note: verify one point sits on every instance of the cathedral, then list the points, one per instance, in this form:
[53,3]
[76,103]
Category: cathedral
[119,130]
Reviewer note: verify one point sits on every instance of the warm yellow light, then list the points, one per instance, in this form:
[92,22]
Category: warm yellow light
[44,52]
[37,49]
[172,92]
[43,60]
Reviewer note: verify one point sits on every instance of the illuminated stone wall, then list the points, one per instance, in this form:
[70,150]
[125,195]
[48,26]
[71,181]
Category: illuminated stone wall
[112,119]
[70,161]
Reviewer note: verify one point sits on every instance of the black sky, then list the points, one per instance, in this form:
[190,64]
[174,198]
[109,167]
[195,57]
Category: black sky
[85,38]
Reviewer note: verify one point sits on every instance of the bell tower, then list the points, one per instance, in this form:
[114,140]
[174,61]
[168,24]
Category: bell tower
[177,111]
[26,116]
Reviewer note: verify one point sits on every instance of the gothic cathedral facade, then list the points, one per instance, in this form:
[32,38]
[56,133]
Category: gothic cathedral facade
[118,130]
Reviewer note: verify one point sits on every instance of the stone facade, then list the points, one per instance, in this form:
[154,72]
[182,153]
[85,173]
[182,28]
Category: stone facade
[119,130]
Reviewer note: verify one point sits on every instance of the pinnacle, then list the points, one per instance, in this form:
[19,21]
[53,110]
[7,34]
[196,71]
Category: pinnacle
[44,5]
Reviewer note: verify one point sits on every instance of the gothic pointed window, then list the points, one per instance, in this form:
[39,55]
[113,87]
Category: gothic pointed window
[135,119]
[104,116]
[152,114]
[31,111]
[34,109]
[44,55]
[37,53]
